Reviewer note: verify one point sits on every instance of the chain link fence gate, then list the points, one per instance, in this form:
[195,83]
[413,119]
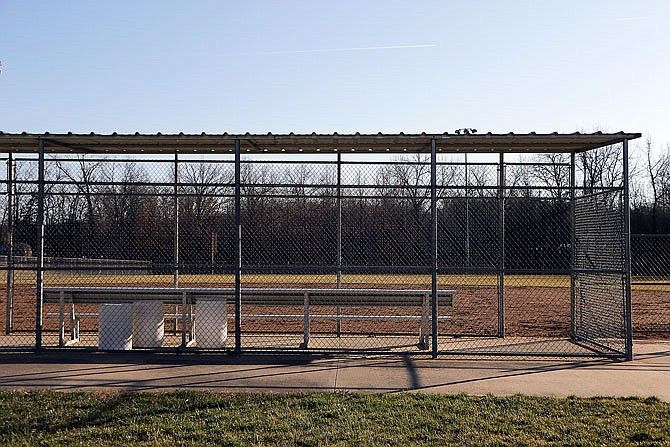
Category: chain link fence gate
[352,247]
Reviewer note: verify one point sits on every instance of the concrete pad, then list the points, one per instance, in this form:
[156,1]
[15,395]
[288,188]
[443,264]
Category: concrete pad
[647,375]
[125,372]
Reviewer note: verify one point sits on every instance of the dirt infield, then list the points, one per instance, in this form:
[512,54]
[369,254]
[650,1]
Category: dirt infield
[535,306]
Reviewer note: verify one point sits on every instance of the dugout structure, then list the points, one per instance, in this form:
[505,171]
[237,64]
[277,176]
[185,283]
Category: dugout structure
[531,231]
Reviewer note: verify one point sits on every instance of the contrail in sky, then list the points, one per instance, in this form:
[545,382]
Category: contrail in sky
[628,19]
[332,50]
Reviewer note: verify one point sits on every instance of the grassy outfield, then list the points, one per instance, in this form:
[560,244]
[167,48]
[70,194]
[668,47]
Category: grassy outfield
[203,419]
[278,280]
[294,280]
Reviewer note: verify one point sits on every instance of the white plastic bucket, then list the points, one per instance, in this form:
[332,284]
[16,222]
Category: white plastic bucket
[148,324]
[211,323]
[115,332]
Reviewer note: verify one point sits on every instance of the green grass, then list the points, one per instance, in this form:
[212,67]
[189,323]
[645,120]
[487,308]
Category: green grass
[207,419]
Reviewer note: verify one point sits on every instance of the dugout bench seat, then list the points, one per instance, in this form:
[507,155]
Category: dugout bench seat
[68,297]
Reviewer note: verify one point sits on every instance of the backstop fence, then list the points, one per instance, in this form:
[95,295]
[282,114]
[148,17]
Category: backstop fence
[503,251]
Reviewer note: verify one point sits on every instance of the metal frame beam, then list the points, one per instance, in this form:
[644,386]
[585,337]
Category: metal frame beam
[9,314]
[573,250]
[39,283]
[339,237]
[628,308]
[238,245]
[467,213]
[433,243]
[501,246]
[175,199]
[175,273]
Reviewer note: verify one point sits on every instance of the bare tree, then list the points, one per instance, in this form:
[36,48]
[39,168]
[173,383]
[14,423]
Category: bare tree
[82,174]
[412,174]
[600,168]
[206,183]
[483,179]
[449,175]
[297,178]
[658,175]
[552,171]
[658,172]
[519,181]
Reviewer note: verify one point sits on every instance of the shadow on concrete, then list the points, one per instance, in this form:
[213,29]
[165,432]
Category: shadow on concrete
[517,372]
[292,373]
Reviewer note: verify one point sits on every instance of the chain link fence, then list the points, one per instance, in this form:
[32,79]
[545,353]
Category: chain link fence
[650,265]
[315,252]
[599,309]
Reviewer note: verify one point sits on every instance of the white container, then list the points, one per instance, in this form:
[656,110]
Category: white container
[148,324]
[115,332]
[211,323]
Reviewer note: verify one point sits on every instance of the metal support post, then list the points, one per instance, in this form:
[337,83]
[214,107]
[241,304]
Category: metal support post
[339,239]
[175,198]
[40,247]
[573,250]
[628,311]
[467,213]
[9,317]
[184,304]
[175,267]
[433,242]
[425,323]
[306,322]
[191,323]
[61,319]
[74,322]
[238,245]
[501,247]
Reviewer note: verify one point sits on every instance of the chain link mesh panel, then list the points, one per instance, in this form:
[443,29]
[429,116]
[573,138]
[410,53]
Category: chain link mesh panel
[600,279]
[18,275]
[350,261]
[650,264]
[519,302]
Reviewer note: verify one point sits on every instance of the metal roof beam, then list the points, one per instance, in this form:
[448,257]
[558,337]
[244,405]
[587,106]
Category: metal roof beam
[78,149]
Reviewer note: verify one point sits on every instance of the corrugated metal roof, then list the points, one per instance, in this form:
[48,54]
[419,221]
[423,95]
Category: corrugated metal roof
[307,143]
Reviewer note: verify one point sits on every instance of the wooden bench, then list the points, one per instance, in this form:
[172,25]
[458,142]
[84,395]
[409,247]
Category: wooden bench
[305,298]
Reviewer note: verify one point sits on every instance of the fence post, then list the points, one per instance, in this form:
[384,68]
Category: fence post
[573,250]
[628,309]
[40,246]
[10,242]
[501,247]
[339,239]
[433,244]
[238,245]
[467,213]
[176,221]
[175,267]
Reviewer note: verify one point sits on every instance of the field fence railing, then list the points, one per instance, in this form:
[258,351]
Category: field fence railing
[84,265]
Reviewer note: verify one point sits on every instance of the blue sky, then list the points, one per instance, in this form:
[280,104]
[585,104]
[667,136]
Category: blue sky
[257,66]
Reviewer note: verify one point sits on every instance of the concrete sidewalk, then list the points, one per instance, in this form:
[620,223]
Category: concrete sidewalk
[647,375]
